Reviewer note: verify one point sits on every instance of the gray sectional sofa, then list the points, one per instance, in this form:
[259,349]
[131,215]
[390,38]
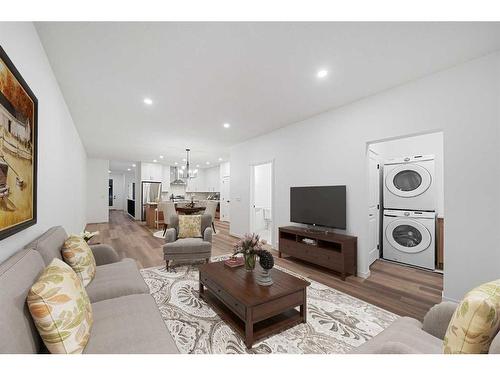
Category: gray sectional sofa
[126,318]
[409,336]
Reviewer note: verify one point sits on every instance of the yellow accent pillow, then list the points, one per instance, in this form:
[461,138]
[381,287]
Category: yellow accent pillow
[61,309]
[476,321]
[189,226]
[77,253]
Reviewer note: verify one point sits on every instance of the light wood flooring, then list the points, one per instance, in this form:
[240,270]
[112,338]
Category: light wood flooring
[403,290]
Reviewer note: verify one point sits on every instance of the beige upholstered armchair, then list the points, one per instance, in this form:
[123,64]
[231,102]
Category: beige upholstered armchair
[185,249]
[168,210]
[211,209]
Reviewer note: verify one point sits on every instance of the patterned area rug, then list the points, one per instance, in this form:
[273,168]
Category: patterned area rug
[336,322]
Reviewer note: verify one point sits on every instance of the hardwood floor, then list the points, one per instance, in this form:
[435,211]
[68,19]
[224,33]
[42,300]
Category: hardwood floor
[403,290]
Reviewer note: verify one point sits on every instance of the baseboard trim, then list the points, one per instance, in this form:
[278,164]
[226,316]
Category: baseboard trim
[364,275]
[448,299]
[235,235]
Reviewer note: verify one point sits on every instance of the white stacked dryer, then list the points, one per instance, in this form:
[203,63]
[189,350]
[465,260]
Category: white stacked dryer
[410,211]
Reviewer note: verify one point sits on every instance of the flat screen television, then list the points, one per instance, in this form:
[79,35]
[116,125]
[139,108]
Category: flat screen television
[319,205]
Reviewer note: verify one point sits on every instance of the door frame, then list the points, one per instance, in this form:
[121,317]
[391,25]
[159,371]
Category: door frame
[379,218]
[252,166]
[225,205]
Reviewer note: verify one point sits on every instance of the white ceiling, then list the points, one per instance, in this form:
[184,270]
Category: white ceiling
[256,76]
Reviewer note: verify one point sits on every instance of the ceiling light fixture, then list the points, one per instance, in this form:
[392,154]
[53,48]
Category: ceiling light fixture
[227,125]
[128,169]
[161,156]
[322,73]
[155,161]
[133,165]
[189,172]
[176,163]
[148,101]
[220,159]
[207,163]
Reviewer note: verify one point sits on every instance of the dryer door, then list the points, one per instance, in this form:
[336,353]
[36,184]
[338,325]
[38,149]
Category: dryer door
[408,236]
[408,180]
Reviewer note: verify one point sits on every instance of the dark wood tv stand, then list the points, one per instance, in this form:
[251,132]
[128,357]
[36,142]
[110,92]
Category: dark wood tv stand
[334,251]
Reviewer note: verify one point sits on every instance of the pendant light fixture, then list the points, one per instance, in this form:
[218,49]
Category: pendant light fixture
[187,172]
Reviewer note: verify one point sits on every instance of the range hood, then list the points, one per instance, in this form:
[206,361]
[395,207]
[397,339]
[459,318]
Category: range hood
[174,171]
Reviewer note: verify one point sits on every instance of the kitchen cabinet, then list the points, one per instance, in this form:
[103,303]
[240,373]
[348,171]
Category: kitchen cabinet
[212,179]
[151,172]
[165,181]
[197,184]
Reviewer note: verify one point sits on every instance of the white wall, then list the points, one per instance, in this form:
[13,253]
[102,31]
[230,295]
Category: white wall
[426,144]
[61,155]
[330,149]
[97,190]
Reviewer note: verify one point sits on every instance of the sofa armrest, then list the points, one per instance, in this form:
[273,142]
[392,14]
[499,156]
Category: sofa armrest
[104,254]
[394,347]
[207,234]
[438,318]
[170,235]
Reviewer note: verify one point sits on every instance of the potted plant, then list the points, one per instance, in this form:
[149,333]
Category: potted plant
[250,246]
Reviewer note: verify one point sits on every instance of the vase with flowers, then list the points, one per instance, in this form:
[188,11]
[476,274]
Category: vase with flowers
[250,246]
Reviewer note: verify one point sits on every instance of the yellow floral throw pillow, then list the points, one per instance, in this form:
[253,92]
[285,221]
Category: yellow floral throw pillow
[189,226]
[475,322]
[61,309]
[77,253]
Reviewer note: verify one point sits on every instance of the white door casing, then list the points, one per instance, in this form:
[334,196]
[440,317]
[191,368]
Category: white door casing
[224,199]
[373,206]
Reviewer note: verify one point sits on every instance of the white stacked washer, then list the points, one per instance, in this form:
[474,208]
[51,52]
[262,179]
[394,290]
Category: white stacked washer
[410,211]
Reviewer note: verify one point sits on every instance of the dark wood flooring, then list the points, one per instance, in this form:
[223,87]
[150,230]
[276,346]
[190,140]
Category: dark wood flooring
[403,290]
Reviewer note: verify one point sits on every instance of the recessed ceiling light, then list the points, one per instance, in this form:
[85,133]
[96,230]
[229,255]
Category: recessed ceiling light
[176,163]
[109,171]
[227,125]
[133,165]
[183,167]
[197,166]
[184,159]
[322,73]
[220,159]
[207,163]
[148,101]
[154,161]
[161,156]
[128,169]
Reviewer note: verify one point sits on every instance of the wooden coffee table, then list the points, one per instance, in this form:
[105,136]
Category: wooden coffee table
[254,311]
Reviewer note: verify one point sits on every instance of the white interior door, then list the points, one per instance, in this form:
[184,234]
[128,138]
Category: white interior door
[117,192]
[373,205]
[261,215]
[224,199]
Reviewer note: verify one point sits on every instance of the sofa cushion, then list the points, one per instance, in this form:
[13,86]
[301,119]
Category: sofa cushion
[116,280]
[61,309]
[18,334]
[49,244]
[189,226]
[475,322]
[76,252]
[187,246]
[408,332]
[129,325]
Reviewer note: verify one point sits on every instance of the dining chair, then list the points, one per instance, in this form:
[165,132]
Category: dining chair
[211,209]
[168,209]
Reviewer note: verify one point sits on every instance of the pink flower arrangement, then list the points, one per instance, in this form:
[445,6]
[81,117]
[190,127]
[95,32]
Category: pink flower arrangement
[249,244]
